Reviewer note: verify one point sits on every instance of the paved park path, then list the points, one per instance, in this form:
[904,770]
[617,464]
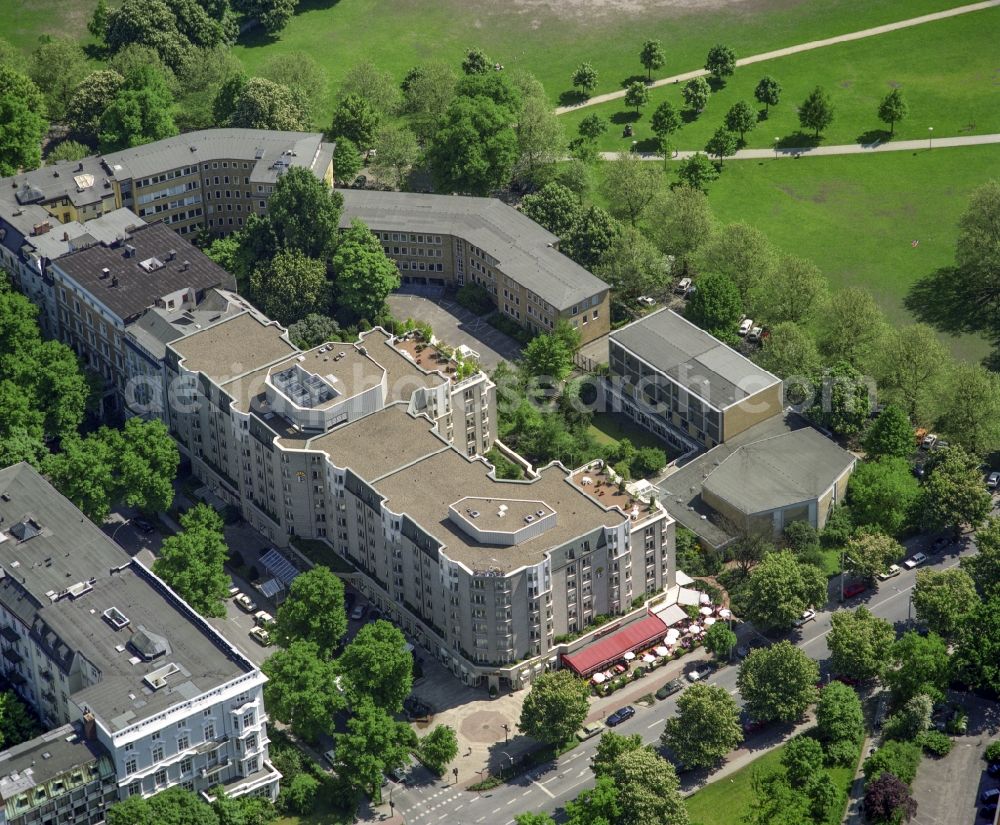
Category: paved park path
[801,47]
[843,149]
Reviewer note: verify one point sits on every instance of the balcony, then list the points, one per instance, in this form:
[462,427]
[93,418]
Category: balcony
[211,770]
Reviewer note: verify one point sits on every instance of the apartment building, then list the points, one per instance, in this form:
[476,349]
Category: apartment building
[362,447]
[685,385]
[102,290]
[92,638]
[448,240]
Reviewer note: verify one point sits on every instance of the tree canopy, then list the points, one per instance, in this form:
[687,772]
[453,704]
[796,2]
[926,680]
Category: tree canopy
[778,682]
[22,122]
[779,589]
[377,664]
[313,611]
[364,276]
[705,728]
[859,643]
[555,707]
[301,689]
[716,307]
[192,561]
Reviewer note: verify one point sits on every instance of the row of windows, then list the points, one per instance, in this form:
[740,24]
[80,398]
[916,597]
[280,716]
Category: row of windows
[419,266]
[408,236]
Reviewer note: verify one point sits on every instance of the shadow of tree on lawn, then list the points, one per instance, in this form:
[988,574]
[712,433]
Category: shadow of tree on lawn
[873,136]
[942,300]
[572,97]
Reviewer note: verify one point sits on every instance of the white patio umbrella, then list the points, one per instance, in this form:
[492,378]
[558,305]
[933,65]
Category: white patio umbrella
[706,611]
[629,656]
[709,621]
[661,651]
[598,678]
[726,613]
[649,658]
[695,629]
[703,598]
[673,634]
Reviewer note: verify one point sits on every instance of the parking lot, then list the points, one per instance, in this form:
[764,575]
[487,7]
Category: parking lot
[455,325]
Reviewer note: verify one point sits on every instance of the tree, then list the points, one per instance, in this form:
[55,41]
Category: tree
[970,416]
[793,291]
[396,152]
[887,799]
[716,306]
[720,640]
[427,91]
[555,707]
[438,748]
[590,236]
[779,589]
[313,612]
[892,109]
[52,372]
[697,171]
[912,719]
[768,92]
[373,744]
[192,561]
[140,113]
[859,643]
[146,461]
[585,78]
[629,186]
[540,136]
[534,819]
[174,806]
[652,57]
[883,493]
[749,549]
[943,599]
[896,757]
[98,23]
[722,144]
[347,160]
[853,328]
[300,73]
[288,286]
[909,369]
[741,118]
[891,436]
[553,206]
[376,664]
[304,213]
[88,102]
[301,690]
[664,122]
[917,664]
[681,223]
[802,759]
[594,806]
[838,714]
[845,400]
[475,149]
[476,62]
[271,15]
[816,112]
[153,24]
[695,93]
[720,63]
[953,495]
[705,728]
[199,79]
[82,471]
[22,122]
[648,789]
[778,682]
[264,104]
[977,271]
[592,127]
[56,67]
[977,658]
[313,330]
[637,94]
[356,119]
[364,275]
[373,85]
[67,150]
[610,747]
[632,266]
[984,566]
[744,255]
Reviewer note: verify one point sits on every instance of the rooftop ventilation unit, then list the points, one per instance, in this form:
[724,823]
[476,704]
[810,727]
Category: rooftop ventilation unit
[150,264]
[116,618]
[148,645]
[129,251]
[158,678]
[105,273]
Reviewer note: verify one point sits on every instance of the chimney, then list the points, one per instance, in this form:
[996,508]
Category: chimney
[185,266]
[129,250]
[65,236]
[105,273]
[114,281]
[41,228]
[89,726]
[171,255]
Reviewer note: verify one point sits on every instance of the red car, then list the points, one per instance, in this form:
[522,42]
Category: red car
[854,589]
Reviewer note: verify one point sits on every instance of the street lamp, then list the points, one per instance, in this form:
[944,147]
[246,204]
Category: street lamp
[391,805]
[506,732]
[776,142]
[511,758]
[930,137]
[119,527]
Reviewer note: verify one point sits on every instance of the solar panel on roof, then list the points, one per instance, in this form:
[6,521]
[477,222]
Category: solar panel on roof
[279,567]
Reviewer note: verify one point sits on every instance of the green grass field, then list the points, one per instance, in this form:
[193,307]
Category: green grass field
[551,39]
[856,216]
[610,428]
[726,800]
[948,70]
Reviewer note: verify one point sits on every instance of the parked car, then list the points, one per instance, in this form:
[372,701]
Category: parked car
[233,591]
[670,688]
[331,757]
[992,481]
[854,589]
[399,775]
[939,544]
[752,726]
[244,602]
[358,613]
[589,731]
[349,600]
[891,572]
[683,285]
[807,616]
[754,335]
[144,526]
[702,671]
[914,561]
[621,715]
[416,710]
[745,326]
[261,636]
[646,301]
[359,182]
[929,441]
[263,618]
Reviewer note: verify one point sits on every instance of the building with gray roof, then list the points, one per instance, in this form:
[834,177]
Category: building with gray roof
[90,636]
[686,385]
[451,240]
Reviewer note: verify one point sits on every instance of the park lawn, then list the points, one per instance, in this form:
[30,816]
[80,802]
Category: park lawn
[726,800]
[551,39]
[947,71]
[610,428]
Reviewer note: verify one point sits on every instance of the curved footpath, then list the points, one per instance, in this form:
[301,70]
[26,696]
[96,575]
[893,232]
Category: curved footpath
[801,47]
[842,149]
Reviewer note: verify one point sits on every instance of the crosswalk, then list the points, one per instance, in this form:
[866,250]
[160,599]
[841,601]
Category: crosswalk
[457,808]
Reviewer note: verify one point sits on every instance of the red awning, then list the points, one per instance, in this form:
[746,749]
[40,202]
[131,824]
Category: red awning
[612,647]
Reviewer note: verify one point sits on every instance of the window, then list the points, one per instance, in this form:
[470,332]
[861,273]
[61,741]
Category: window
[160,777]
[134,788]
[158,753]
[209,731]
[183,742]
[130,766]
[186,765]
[248,719]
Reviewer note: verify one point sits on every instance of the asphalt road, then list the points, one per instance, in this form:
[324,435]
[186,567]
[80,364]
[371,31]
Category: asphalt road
[428,802]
